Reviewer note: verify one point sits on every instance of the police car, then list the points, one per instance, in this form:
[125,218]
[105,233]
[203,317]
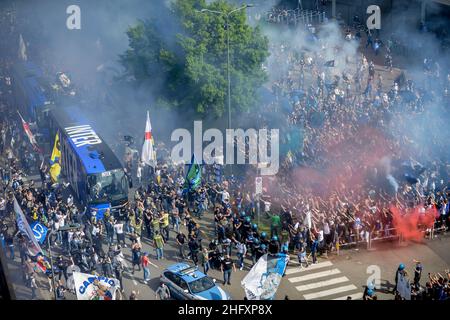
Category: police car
[187,283]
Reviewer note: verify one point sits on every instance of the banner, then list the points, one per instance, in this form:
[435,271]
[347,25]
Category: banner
[262,281]
[33,246]
[43,264]
[55,171]
[40,231]
[31,138]
[91,287]
[55,167]
[403,286]
[193,176]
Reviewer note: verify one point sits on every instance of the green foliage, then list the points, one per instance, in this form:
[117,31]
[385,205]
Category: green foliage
[189,62]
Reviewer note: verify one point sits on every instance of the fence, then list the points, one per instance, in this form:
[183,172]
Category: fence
[354,241]
[437,229]
[389,234]
[296,17]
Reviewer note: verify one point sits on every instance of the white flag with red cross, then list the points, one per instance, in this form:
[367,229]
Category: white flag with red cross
[29,134]
[148,155]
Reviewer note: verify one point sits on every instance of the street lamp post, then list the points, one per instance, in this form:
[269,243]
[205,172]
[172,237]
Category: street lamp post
[49,247]
[227,17]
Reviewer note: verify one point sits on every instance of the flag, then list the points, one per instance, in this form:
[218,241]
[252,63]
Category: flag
[307,221]
[43,264]
[22,49]
[262,281]
[193,176]
[55,171]
[92,287]
[55,166]
[22,224]
[329,63]
[148,155]
[56,153]
[403,286]
[29,134]
[40,231]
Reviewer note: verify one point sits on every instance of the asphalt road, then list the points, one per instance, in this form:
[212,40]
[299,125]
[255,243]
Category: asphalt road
[346,275]
[334,277]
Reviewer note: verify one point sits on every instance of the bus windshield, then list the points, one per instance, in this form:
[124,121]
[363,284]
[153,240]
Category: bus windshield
[108,186]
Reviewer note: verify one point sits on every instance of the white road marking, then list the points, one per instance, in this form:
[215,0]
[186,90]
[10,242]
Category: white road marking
[329,292]
[311,267]
[355,296]
[315,275]
[321,284]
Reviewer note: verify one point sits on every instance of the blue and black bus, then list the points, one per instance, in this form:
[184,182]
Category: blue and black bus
[93,170]
[95,173]
[32,92]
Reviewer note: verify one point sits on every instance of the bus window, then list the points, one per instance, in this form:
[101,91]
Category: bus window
[108,186]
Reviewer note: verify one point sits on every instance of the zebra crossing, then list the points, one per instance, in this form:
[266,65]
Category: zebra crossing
[322,281]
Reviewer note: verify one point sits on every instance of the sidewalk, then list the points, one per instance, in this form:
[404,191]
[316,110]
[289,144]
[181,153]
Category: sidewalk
[14,274]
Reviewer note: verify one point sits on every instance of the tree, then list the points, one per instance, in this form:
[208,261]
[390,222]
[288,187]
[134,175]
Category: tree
[182,60]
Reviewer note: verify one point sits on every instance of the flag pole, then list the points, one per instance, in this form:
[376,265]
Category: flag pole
[51,264]
[20,115]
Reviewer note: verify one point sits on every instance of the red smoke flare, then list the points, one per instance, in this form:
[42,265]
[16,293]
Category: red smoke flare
[408,223]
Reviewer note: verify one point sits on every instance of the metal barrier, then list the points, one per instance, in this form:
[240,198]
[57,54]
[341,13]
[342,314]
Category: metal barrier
[354,241]
[435,230]
[296,17]
[367,239]
[307,17]
[389,235]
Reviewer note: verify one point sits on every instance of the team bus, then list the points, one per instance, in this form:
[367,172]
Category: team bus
[32,93]
[95,173]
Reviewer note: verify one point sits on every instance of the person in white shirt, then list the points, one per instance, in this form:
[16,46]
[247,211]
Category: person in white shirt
[95,230]
[118,229]
[118,255]
[62,220]
[56,227]
[326,234]
[225,196]
[241,252]
[69,238]
[139,172]
[307,221]
[267,205]
[326,228]
[320,237]
[2,207]
[70,200]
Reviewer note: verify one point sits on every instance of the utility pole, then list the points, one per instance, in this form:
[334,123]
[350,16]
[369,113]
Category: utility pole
[333,9]
[51,263]
[227,26]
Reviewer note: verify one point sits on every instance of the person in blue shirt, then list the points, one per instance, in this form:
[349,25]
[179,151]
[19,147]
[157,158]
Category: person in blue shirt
[314,248]
[417,274]
[254,250]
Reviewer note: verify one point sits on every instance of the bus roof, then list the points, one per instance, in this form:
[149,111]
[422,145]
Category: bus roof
[29,76]
[96,158]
